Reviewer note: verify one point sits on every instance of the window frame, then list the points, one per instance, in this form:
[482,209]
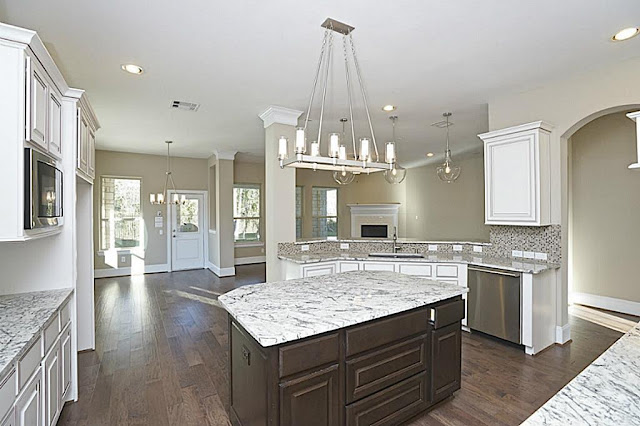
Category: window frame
[102,218]
[259,241]
[313,216]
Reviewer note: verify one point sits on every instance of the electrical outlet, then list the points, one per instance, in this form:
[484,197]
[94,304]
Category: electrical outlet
[516,253]
[528,255]
[261,250]
[540,256]
[304,247]
[123,259]
[161,232]
[344,246]
[457,247]
[477,249]
[433,247]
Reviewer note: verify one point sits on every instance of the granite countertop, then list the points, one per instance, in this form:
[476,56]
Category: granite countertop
[389,240]
[510,264]
[607,392]
[22,318]
[284,311]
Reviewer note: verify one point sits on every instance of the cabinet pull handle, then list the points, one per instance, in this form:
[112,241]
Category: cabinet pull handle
[246,354]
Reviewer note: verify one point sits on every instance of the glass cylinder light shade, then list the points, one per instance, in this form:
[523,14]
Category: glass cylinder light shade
[176,199]
[365,153]
[160,198]
[342,152]
[334,145]
[395,175]
[301,146]
[390,153]
[152,198]
[315,149]
[282,148]
[448,171]
[184,199]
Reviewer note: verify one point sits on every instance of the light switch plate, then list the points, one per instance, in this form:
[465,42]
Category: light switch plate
[433,247]
[528,255]
[516,253]
[457,247]
[344,246]
[540,256]
[477,249]
[304,247]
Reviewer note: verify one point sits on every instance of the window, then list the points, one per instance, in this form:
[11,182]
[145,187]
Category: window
[246,212]
[120,213]
[299,201]
[325,212]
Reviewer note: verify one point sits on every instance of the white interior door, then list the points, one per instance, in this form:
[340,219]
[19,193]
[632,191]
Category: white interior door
[187,233]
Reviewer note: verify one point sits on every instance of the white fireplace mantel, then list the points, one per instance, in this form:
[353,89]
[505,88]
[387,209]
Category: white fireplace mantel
[373,214]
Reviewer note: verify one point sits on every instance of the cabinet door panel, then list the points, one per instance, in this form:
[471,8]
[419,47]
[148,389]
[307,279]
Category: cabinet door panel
[83,143]
[65,362]
[52,385]
[55,125]
[315,271]
[10,420]
[382,266]
[29,406]
[311,400]
[91,154]
[38,104]
[445,361]
[349,266]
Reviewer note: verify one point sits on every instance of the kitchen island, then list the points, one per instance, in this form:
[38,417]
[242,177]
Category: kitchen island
[355,348]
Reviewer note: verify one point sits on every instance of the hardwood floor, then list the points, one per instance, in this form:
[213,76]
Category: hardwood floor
[161,359]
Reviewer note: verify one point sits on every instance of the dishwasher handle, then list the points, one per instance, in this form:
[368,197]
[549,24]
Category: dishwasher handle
[495,271]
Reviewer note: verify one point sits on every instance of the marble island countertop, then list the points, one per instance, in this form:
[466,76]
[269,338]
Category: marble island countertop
[607,392]
[511,264]
[22,318]
[284,311]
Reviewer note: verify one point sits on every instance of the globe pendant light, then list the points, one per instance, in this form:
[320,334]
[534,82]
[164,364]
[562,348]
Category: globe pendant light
[343,177]
[397,174]
[448,171]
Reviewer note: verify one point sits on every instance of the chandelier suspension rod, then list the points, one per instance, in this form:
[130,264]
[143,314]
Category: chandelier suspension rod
[348,76]
[364,96]
[315,80]
[324,90]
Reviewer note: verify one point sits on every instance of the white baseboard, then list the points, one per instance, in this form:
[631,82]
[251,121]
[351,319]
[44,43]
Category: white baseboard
[249,260]
[221,272]
[121,272]
[563,334]
[608,303]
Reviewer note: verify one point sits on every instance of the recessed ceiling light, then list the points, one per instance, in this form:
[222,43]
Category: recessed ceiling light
[131,68]
[626,34]
[429,154]
[389,108]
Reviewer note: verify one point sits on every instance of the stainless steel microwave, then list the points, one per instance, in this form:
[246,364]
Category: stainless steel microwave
[43,197]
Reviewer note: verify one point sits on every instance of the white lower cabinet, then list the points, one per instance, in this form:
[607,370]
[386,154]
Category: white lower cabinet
[319,269]
[379,266]
[65,362]
[348,266]
[29,405]
[52,388]
[10,420]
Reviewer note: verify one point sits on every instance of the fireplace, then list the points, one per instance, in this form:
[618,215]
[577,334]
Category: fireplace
[374,231]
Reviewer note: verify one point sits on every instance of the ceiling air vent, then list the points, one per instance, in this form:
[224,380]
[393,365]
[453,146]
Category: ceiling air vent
[186,106]
[442,124]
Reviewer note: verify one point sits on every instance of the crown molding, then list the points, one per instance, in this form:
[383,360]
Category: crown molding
[280,115]
[635,116]
[225,155]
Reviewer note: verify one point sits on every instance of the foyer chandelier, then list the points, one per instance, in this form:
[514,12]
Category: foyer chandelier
[161,198]
[365,158]
[448,171]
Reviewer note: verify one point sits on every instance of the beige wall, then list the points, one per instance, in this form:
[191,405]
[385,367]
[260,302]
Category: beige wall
[444,211]
[604,213]
[440,211]
[189,173]
[248,172]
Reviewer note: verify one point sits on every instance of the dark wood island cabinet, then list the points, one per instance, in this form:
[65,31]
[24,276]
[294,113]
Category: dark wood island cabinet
[381,372]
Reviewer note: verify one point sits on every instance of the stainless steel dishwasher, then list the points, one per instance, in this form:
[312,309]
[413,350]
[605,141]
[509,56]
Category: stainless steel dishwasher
[494,302]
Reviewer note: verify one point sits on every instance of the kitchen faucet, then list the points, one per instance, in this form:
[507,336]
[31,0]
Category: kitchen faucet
[396,247]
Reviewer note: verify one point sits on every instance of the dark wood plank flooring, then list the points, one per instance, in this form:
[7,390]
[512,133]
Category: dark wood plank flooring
[161,359]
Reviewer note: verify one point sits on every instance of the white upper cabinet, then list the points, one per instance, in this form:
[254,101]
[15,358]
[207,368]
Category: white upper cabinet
[516,173]
[37,104]
[86,140]
[55,125]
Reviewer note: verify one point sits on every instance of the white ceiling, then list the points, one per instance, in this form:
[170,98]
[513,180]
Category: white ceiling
[238,57]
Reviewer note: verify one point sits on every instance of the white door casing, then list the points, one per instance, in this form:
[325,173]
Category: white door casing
[187,231]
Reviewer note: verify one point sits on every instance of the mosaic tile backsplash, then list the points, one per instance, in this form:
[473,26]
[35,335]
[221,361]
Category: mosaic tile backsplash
[503,239]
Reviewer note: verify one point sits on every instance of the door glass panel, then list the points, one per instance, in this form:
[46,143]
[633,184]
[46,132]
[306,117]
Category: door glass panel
[187,216]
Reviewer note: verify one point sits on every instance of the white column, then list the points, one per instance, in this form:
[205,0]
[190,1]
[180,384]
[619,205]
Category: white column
[221,242]
[280,187]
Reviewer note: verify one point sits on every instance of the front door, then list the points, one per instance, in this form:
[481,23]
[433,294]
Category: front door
[187,233]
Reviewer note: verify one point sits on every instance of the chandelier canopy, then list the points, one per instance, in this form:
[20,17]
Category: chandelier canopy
[364,158]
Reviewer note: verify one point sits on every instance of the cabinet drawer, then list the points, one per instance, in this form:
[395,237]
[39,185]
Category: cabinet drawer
[370,373]
[379,266]
[29,362]
[7,393]
[447,271]
[381,332]
[391,406]
[423,270]
[311,353]
[51,334]
[65,315]
[446,314]
[317,270]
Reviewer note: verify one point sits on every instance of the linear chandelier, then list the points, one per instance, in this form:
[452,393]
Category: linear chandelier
[366,159]
[161,198]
